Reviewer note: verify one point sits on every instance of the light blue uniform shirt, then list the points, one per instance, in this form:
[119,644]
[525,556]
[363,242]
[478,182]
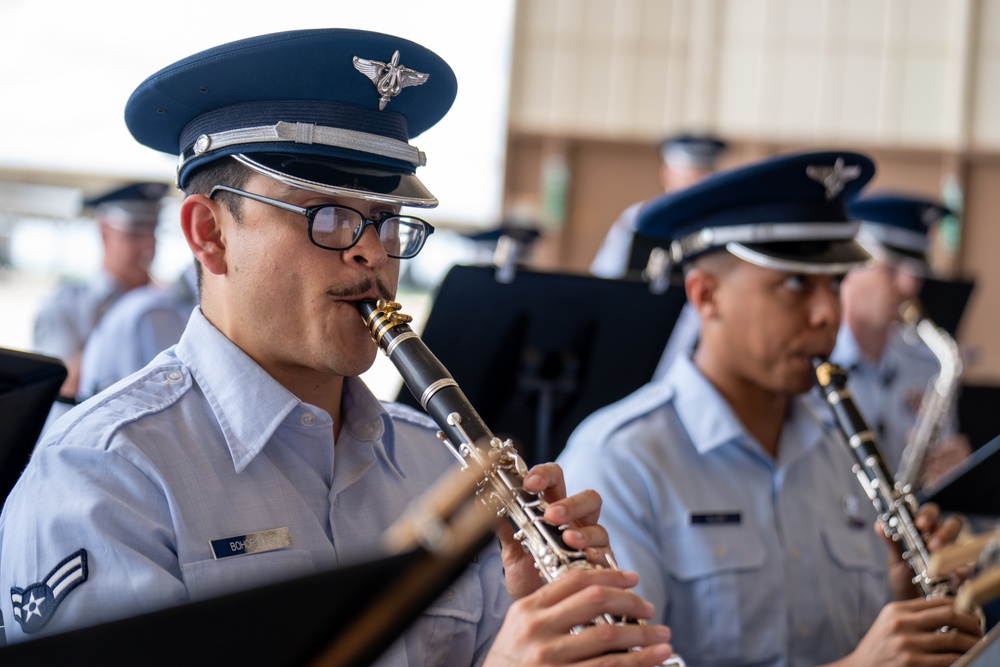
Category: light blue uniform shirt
[71,312]
[203,445]
[141,324]
[889,394]
[750,560]
[611,260]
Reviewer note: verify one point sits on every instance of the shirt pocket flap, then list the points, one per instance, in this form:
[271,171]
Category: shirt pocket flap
[215,577]
[462,600]
[854,550]
[693,552]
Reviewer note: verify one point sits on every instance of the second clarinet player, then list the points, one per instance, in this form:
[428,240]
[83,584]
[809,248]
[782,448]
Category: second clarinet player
[724,486]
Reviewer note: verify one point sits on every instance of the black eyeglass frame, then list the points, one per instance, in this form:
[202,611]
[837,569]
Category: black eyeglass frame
[311,212]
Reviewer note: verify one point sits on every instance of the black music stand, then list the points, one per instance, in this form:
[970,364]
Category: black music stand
[284,624]
[29,384]
[536,355]
[970,487]
[977,413]
[944,301]
[640,250]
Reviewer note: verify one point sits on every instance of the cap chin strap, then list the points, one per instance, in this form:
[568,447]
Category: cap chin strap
[332,190]
[790,265]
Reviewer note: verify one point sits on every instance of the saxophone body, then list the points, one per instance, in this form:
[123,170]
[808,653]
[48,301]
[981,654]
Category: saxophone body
[896,506]
[500,486]
[939,397]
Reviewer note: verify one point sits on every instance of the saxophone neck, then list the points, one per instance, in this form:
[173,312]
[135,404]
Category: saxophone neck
[939,396]
[938,341]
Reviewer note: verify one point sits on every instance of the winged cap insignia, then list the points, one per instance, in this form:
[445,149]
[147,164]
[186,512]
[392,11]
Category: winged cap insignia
[833,178]
[930,216]
[389,78]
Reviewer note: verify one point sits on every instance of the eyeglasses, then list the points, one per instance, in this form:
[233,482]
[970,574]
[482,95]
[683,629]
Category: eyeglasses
[340,228]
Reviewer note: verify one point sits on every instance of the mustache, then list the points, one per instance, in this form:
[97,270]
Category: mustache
[363,287]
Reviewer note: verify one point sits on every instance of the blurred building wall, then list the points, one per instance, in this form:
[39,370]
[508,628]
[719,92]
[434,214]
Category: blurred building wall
[596,84]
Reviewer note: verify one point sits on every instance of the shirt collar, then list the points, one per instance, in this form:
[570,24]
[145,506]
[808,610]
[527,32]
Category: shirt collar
[711,423]
[229,377]
[248,404]
[706,415]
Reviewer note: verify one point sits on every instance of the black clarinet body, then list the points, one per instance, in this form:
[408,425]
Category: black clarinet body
[468,437]
[896,507]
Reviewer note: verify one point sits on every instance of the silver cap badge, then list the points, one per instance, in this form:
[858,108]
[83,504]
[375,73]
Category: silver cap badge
[389,78]
[833,178]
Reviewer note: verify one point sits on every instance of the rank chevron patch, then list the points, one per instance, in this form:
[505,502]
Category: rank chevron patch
[35,604]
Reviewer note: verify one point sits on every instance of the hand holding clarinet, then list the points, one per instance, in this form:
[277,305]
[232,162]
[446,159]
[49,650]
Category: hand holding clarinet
[922,626]
[571,605]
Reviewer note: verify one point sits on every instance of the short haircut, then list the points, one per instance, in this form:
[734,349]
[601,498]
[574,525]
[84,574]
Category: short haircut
[227,172]
[221,172]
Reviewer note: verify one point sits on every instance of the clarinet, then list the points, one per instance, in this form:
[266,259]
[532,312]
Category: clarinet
[896,506]
[469,439]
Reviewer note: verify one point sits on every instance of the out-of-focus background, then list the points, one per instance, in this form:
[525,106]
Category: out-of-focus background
[560,108]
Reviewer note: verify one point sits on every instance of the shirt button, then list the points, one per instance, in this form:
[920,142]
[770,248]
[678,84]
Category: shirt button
[720,552]
[308,419]
[795,553]
[803,631]
[174,376]
[450,595]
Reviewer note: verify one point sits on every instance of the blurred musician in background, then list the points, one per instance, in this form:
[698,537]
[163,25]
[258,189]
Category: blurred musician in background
[685,160]
[140,325]
[889,368]
[127,219]
[725,483]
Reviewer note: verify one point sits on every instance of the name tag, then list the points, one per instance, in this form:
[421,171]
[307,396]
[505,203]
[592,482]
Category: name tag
[251,543]
[714,518]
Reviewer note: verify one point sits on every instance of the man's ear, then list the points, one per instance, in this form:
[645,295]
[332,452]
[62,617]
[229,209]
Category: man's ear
[202,225]
[702,291]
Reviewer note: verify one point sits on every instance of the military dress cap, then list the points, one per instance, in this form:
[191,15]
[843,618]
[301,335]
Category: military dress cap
[132,207]
[330,110]
[895,226]
[696,150]
[787,213]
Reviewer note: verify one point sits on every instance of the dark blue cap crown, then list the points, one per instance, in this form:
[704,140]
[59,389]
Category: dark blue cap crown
[898,222]
[301,100]
[134,192]
[786,212]
[134,207]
